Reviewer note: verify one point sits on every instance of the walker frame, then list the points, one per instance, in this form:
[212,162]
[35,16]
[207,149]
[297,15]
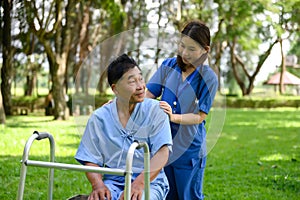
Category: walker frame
[55,165]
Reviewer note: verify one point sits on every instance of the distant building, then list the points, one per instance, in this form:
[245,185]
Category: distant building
[288,79]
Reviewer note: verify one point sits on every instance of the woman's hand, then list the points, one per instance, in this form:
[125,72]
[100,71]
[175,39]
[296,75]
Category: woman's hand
[166,107]
[176,118]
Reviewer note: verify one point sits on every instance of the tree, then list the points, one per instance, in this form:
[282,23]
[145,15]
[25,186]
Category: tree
[286,27]
[6,70]
[68,31]
[239,28]
[2,112]
[50,21]
[245,32]
[110,20]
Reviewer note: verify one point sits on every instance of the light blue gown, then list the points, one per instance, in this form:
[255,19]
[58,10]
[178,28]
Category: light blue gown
[105,142]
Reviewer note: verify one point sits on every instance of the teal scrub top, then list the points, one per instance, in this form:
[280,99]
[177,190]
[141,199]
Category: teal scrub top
[196,93]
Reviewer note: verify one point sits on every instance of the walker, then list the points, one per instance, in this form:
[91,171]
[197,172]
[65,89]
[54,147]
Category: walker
[54,165]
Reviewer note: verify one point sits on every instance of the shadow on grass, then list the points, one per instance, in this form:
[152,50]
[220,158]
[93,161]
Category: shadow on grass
[34,118]
[27,121]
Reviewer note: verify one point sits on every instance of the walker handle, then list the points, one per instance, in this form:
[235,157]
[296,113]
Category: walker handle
[41,135]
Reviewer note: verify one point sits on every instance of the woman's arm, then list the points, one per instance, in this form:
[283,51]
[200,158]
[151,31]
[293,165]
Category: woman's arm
[186,119]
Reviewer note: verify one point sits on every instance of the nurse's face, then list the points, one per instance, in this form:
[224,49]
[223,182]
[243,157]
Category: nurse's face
[131,87]
[190,51]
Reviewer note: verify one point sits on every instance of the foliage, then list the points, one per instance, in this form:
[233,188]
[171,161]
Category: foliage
[64,32]
[24,100]
[86,100]
[295,71]
[269,102]
[232,101]
[256,157]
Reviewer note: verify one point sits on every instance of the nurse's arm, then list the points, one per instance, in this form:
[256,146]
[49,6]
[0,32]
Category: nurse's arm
[188,118]
[185,119]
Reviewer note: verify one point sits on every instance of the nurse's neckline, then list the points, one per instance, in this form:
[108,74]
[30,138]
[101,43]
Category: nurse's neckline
[185,74]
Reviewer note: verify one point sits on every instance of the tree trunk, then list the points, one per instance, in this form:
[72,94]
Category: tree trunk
[218,49]
[216,66]
[6,70]
[31,81]
[233,59]
[85,49]
[2,113]
[57,70]
[59,96]
[283,69]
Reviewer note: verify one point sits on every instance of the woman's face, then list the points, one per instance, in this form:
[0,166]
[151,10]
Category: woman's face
[190,51]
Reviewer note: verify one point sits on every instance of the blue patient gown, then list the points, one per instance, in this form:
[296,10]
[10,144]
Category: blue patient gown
[105,141]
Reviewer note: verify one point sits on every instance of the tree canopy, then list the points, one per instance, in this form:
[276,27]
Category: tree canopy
[62,33]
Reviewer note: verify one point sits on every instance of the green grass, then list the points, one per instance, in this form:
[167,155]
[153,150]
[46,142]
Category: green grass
[13,138]
[257,156]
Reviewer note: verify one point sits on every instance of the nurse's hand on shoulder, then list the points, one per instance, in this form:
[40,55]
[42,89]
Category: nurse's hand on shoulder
[175,118]
[166,107]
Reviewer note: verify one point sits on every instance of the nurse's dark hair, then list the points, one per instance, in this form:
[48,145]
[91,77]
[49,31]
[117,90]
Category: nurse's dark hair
[200,33]
[118,67]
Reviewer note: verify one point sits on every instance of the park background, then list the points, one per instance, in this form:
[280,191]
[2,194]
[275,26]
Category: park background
[54,45]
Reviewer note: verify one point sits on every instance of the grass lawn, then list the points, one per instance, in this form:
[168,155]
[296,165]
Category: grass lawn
[257,156]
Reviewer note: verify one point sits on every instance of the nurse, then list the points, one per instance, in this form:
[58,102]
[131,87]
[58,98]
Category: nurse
[112,128]
[187,88]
